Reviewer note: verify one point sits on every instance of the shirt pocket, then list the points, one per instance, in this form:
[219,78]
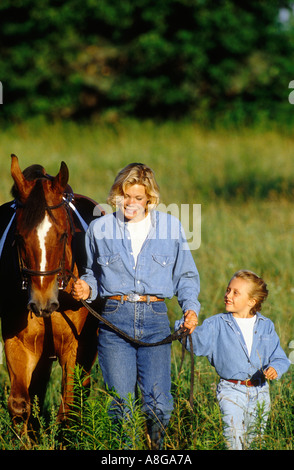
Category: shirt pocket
[108,260]
[162,273]
[164,260]
[112,274]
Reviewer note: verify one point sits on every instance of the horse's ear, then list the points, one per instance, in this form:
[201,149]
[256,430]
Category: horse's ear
[61,179]
[23,186]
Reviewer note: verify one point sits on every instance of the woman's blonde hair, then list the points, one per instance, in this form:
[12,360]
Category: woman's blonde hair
[258,290]
[135,173]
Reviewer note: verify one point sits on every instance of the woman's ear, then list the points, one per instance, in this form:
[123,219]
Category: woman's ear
[252,302]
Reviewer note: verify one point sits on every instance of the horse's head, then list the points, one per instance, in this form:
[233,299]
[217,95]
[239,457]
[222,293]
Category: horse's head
[43,235]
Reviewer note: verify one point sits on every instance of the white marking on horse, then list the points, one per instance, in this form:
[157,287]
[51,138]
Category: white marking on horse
[42,230]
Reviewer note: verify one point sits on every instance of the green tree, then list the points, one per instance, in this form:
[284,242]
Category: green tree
[146,58]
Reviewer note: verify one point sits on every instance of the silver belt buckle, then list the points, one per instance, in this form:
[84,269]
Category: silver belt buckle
[132,297]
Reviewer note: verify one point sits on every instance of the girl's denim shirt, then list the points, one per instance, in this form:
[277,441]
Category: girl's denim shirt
[220,339]
[164,268]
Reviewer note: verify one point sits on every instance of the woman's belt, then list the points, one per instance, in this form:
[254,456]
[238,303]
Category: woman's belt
[136,298]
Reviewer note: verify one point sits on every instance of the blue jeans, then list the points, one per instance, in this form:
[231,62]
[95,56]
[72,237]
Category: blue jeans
[239,407]
[125,364]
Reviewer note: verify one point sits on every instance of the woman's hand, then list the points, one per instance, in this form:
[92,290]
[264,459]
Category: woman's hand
[80,290]
[191,320]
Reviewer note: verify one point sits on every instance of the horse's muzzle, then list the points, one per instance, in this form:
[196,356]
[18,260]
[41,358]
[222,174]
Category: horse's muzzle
[43,310]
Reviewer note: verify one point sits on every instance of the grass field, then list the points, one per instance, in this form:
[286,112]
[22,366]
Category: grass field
[244,181]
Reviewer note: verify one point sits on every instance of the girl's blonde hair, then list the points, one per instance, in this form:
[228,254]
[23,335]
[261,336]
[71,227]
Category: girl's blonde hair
[135,173]
[258,290]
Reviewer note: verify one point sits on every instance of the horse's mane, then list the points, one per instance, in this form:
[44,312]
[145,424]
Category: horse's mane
[34,208]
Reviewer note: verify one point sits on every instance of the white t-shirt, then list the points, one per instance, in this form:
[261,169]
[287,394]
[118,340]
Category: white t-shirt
[246,325]
[138,232]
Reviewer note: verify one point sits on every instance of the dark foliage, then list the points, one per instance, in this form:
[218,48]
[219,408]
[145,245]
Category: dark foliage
[173,58]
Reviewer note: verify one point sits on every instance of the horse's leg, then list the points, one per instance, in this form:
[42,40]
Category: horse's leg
[40,379]
[67,362]
[87,348]
[21,363]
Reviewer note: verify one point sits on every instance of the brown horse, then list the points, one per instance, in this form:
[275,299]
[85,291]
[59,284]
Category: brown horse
[41,321]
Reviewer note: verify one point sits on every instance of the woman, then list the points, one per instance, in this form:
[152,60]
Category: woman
[137,257]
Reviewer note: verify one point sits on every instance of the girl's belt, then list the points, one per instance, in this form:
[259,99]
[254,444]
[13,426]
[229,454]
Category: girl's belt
[248,382]
[136,298]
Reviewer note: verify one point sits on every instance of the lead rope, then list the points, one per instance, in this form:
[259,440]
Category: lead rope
[184,344]
[181,333]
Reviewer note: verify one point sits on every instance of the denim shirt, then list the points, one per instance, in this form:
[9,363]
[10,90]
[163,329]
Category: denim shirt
[219,338]
[164,268]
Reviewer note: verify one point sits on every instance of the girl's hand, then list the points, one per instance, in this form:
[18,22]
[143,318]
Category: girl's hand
[80,290]
[191,320]
[270,373]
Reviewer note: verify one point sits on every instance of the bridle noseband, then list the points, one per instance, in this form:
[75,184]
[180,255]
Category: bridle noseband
[64,275]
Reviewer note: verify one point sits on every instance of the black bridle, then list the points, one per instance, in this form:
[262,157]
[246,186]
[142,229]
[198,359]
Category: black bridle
[64,274]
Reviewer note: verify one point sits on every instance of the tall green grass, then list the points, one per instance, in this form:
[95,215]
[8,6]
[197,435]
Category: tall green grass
[90,427]
[191,164]
[243,180]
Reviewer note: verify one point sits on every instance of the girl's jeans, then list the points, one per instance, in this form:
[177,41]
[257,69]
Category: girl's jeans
[125,364]
[243,410]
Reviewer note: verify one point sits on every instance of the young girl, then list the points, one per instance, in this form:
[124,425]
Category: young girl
[137,257]
[245,350]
